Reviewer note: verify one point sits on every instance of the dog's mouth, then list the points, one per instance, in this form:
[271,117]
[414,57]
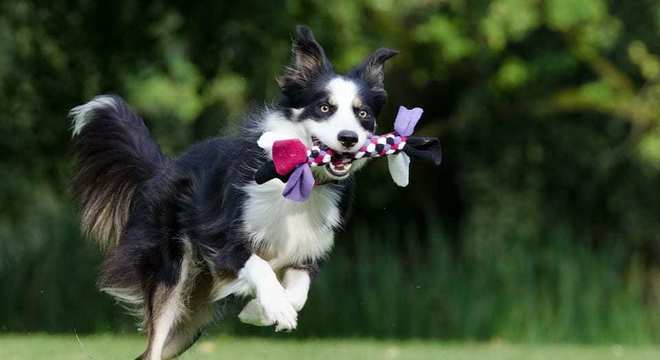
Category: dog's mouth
[340,166]
[339,170]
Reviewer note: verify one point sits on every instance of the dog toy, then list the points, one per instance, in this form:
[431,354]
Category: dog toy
[292,160]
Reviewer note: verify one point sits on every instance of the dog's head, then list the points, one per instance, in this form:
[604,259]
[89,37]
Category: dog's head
[339,110]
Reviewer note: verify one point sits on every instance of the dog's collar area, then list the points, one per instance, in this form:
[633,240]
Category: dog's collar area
[325,182]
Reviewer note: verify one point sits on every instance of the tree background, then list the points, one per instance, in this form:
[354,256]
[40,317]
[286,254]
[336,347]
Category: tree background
[541,224]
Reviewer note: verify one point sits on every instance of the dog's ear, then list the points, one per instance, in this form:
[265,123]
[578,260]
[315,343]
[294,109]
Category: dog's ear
[372,68]
[307,62]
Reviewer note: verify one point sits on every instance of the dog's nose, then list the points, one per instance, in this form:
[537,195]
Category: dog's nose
[347,138]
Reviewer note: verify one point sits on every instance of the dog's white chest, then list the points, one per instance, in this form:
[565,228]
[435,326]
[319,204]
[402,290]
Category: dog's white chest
[288,232]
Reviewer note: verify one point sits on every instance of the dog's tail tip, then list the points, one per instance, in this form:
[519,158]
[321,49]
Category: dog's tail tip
[81,115]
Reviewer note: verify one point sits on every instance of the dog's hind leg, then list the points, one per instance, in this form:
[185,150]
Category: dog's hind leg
[187,332]
[200,313]
[165,310]
[165,307]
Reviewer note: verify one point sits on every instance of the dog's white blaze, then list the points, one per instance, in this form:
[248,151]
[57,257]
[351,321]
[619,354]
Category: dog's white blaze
[82,113]
[343,95]
[289,232]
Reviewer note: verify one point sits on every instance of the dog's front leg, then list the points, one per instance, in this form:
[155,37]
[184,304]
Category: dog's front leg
[274,307]
[296,283]
[296,286]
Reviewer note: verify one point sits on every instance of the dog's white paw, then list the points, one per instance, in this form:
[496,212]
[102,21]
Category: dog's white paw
[277,309]
[297,299]
[253,314]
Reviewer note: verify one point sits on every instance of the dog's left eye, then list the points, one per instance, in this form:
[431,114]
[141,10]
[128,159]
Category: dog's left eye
[363,114]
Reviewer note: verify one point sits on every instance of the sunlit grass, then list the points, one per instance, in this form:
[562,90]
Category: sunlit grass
[71,347]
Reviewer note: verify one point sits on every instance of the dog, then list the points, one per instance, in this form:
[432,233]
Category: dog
[181,233]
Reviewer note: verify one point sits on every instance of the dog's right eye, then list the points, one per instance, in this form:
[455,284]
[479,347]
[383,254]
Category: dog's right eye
[324,108]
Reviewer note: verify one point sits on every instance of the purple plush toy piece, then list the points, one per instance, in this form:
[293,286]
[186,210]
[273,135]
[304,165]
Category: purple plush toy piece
[300,184]
[406,120]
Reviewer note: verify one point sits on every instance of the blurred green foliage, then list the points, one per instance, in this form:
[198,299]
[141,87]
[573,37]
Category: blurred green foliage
[542,223]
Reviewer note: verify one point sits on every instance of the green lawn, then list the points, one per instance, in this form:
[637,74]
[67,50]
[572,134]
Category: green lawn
[20,347]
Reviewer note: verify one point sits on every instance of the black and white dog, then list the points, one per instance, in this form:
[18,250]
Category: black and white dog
[181,233]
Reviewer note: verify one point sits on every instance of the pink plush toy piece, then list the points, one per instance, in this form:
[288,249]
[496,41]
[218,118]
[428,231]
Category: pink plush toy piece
[292,160]
[288,154]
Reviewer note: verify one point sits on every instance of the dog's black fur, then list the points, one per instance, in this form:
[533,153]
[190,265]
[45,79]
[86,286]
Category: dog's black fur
[151,211]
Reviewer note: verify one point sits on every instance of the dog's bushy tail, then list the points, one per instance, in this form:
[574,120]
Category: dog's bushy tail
[115,153]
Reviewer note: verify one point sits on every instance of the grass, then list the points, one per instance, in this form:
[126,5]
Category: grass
[56,347]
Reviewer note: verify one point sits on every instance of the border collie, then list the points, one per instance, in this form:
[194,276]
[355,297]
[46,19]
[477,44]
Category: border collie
[181,233]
